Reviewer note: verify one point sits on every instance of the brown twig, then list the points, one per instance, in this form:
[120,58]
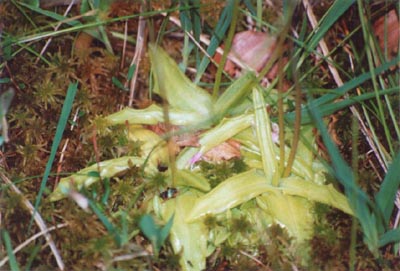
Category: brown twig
[140,41]
[55,29]
[124,44]
[60,161]
[339,83]
[38,219]
[30,239]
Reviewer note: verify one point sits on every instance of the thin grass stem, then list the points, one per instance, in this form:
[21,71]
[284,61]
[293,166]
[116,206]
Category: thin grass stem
[369,51]
[228,45]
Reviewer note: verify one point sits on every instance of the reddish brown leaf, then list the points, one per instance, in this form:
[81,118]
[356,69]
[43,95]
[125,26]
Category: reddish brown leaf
[225,151]
[251,48]
[388,27]
[180,139]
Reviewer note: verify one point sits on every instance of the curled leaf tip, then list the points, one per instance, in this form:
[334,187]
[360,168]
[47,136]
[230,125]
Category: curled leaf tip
[275,133]
[194,159]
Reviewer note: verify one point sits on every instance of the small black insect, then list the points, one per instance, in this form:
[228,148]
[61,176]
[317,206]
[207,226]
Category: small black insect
[161,167]
[169,193]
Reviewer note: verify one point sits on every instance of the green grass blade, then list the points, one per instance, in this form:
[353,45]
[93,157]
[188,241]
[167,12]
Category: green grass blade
[234,95]
[50,14]
[357,198]
[250,7]
[259,14]
[131,72]
[81,27]
[107,224]
[329,98]
[330,17]
[149,227]
[7,242]
[220,31]
[164,231]
[32,257]
[391,236]
[227,44]
[196,20]
[189,15]
[355,82]
[65,112]
[340,168]
[370,51]
[155,233]
[24,13]
[331,108]
[386,196]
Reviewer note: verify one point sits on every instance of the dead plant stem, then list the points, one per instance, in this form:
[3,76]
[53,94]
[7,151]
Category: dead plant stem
[296,129]
[228,45]
[55,29]
[140,41]
[339,83]
[38,219]
[31,239]
[281,112]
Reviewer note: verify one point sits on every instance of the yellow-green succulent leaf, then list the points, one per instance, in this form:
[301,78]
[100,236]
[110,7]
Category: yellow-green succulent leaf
[194,120]
[294,213]
[253,160]
[84,178]
[252,156]
[325,194]
[264,135]
[184,158]
[213,137]
[230,193]
[259,219]
[245,106]
[153,115]
[300,167]
[218,232]
[175,87]
[235,94]
[153,146]
[247,225]
[192,179]
[224,131]
[320,172]
[248,140]
[306,144]
[150,115]
[187,239]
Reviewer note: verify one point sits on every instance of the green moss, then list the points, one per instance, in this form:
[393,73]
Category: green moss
[218,172]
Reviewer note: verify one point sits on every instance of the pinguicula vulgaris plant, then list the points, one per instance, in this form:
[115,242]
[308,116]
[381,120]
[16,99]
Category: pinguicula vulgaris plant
[259,195]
